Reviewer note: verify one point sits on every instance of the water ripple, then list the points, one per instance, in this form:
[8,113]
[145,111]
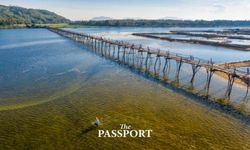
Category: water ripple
[26,44]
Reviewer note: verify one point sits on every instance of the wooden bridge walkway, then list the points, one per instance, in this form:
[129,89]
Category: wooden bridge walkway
[137,53]
[189,60]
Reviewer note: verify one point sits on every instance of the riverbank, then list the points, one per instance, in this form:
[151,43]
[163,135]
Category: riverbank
[234,65]
[237,81]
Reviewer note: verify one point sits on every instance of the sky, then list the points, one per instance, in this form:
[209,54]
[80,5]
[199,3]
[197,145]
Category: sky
[146,9]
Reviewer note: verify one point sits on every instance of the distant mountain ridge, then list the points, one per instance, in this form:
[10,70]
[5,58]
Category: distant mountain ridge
[101,18]
[171,18]
[18,15]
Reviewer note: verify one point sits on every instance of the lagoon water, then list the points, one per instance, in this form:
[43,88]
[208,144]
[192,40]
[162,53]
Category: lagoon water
[204,52]
[51,90]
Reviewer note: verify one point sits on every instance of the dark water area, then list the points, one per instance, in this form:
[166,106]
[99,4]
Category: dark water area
[51,90]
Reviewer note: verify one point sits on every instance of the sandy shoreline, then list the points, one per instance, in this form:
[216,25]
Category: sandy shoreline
[231,65]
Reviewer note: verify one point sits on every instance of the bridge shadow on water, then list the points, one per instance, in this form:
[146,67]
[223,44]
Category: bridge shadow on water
[87,130]
[226,109]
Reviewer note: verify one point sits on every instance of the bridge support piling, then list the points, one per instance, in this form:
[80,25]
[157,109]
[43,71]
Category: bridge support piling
[178,69]
[195,68]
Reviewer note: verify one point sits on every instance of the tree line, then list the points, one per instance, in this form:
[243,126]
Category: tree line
[164,23]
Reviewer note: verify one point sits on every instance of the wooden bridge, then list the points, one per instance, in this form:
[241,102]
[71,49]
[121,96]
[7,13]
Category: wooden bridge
[156,62]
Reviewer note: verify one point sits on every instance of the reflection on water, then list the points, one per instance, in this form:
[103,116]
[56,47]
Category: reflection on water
[62,87]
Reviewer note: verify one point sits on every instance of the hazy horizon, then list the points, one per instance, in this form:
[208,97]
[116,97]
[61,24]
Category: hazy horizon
[139,9]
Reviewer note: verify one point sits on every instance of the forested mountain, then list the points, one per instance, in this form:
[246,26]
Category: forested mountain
[165,23]
[10,15]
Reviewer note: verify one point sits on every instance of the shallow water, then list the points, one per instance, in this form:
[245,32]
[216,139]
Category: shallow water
[218,84]
[50,93]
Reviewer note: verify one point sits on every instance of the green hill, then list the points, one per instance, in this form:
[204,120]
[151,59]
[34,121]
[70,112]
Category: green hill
[10,15]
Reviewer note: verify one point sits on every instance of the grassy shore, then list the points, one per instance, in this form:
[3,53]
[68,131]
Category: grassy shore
[43,26]
[69,26]
[13,26]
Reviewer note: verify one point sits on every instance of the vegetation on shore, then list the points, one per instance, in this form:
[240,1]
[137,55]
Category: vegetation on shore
[69,26]
[13,26]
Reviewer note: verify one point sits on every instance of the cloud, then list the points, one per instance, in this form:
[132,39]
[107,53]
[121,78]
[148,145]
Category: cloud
[218,8]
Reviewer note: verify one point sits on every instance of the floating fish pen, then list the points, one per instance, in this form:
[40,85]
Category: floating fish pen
[168,67]
[245,31]
[211,35]
[207,41]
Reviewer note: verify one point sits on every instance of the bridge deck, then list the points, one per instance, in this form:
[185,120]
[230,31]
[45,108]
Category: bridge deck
[206,64]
